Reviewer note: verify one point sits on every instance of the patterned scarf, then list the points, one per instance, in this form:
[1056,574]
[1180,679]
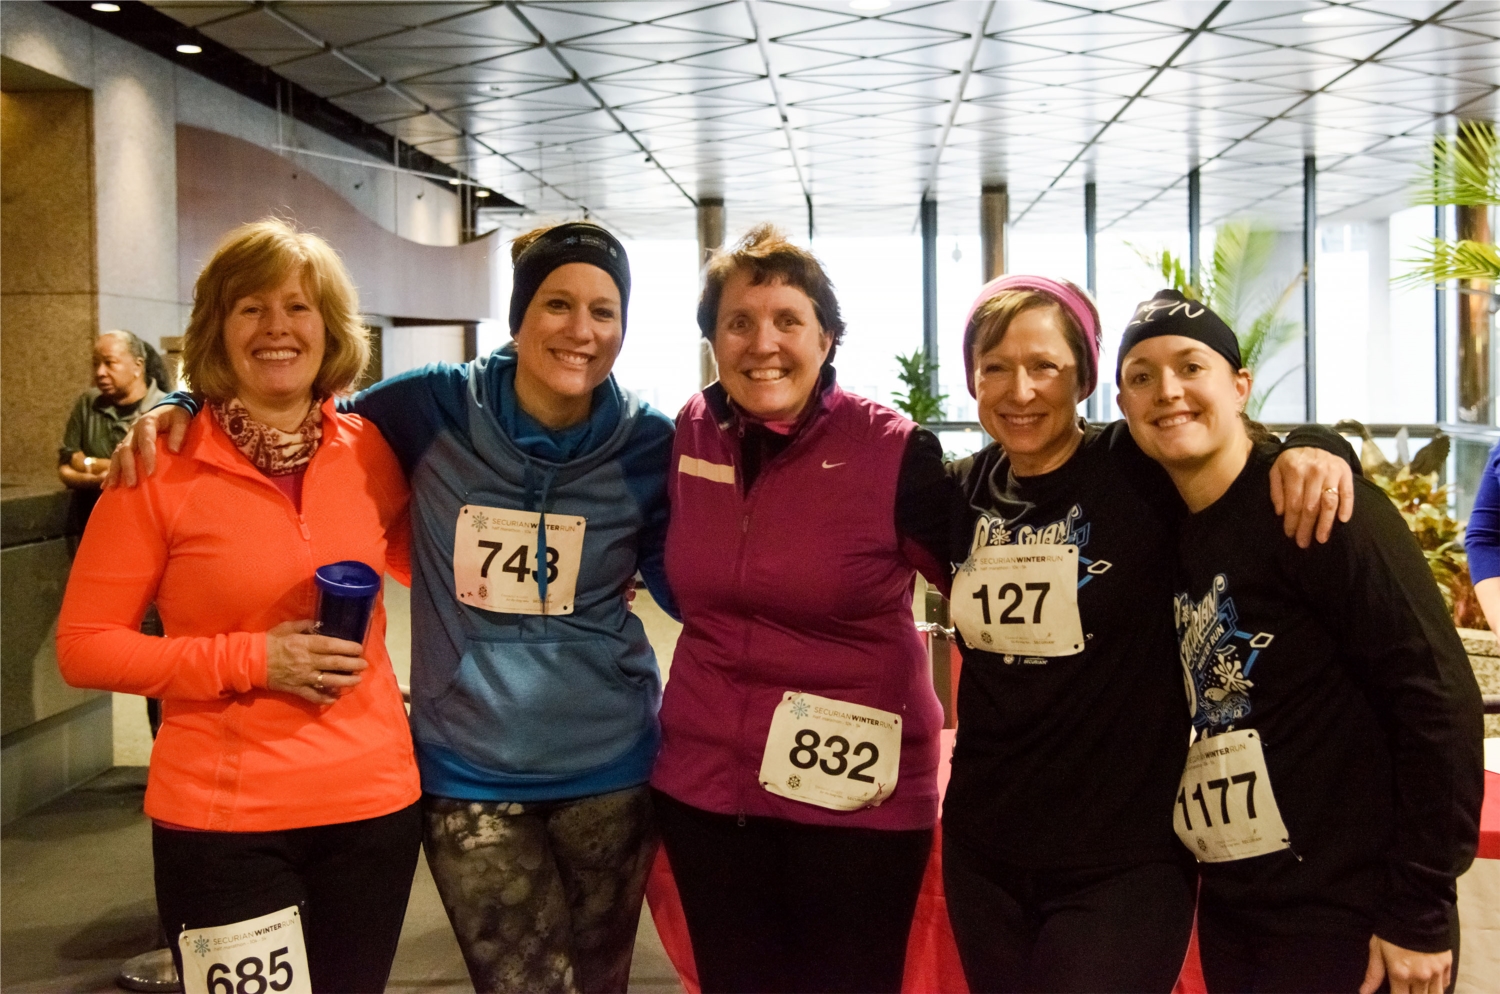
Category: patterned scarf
[273,451]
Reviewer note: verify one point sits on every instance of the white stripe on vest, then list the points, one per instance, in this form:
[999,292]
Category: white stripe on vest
[717,472]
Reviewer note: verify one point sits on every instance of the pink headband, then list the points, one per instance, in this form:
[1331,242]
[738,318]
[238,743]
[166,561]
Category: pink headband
[1066,294]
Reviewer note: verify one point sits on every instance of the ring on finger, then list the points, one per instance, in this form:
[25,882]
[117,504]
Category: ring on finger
[319,684]
[1331,490]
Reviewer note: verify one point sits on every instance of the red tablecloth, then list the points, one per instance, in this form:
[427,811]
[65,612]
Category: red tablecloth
[932,965]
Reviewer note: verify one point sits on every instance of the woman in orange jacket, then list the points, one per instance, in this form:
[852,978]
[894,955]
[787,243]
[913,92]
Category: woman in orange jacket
[283,786]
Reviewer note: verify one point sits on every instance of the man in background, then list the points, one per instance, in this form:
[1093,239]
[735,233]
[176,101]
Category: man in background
[125,384]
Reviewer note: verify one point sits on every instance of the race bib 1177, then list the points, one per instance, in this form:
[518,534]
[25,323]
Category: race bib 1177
[264,955]
[1226,809]
[495,560]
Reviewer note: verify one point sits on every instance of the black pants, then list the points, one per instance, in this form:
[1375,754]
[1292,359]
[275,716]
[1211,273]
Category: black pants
[352,881]
[1237,960]
[1116,928]
[774,905]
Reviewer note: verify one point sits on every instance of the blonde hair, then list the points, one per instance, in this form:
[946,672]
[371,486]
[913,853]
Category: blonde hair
[257,257]
[523,241]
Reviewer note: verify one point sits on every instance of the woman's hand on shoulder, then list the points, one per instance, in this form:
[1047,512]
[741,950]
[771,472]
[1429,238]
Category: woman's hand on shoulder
[313,667]
[140,443]
[1309,488]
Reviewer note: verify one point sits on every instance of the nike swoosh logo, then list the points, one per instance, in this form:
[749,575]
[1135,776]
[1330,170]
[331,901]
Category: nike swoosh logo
[831,465]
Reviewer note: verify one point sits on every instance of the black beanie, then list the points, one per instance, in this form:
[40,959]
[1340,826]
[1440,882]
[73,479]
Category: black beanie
[1170,313]
[576,241]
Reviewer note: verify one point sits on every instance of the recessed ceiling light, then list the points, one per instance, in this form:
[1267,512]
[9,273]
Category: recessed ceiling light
[108,8]
[481,193]
[190,49]
[869,4]
[455,182]
[1325,16]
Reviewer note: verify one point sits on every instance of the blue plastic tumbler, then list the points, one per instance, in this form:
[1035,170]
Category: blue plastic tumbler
[346,596]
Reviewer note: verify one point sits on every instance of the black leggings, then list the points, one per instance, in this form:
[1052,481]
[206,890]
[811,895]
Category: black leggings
[351,881]
[1238,960]
[1116,928]
[773,905]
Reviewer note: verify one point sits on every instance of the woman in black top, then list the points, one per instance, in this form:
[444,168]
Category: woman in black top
[1060,868]
[1333,792]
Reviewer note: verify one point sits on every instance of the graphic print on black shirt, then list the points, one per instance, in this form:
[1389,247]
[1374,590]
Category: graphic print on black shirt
[1217,657]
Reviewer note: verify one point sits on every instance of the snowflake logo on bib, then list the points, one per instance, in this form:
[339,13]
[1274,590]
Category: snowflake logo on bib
[794,781]
[200,946]
[480,524]
[800,708]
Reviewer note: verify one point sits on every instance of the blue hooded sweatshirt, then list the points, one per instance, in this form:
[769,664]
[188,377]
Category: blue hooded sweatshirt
[514,707]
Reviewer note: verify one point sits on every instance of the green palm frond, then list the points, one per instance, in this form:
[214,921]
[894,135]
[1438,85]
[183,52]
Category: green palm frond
[1445,261]
[1242,251]
[1173,273]
[1465,168]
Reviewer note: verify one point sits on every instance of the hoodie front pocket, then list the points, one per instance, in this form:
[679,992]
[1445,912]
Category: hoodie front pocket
[543,708]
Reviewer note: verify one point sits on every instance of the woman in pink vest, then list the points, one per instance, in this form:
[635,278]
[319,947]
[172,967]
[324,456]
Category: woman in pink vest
[796,787]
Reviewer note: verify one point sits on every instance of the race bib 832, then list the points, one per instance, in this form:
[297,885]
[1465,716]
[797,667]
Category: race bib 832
[831,753]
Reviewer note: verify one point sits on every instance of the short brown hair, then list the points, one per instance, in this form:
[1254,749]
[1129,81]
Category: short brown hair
[254,258]
[993,319]
[766,254]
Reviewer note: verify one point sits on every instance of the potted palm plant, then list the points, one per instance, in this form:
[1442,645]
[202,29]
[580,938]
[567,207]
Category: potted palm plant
[1242,251]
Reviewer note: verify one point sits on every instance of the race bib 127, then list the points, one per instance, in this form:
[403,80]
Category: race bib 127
[831,753]
[495,560]
[1020,600]
[1225,807]
[264,955]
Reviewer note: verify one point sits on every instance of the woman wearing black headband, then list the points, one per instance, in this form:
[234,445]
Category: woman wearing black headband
[1332,794]
[1059,865]
[538,491]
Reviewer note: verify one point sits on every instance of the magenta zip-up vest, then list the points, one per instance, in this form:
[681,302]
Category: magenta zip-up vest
[796,585]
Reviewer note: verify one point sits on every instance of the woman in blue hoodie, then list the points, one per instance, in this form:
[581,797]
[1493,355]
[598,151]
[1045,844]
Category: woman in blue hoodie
[538,490]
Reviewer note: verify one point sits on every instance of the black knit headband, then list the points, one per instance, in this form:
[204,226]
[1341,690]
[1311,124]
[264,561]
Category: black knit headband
[1170,313]
[576,241]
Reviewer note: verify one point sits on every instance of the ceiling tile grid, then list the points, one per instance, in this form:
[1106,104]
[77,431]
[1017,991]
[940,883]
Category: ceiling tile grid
[631,111]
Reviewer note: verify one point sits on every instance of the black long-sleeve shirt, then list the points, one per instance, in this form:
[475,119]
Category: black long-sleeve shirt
[1345,660]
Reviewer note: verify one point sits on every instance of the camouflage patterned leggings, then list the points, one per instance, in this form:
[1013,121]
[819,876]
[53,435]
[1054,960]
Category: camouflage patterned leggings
[546,896]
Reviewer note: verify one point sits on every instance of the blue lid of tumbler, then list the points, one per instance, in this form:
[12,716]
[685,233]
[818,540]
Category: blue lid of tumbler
[350,578]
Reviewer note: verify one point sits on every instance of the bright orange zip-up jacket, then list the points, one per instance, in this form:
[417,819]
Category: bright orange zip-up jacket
[226,557]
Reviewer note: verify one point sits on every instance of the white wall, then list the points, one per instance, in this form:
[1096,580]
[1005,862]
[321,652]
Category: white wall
[412,347]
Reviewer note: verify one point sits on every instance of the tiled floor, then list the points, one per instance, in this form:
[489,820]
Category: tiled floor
[76,900]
